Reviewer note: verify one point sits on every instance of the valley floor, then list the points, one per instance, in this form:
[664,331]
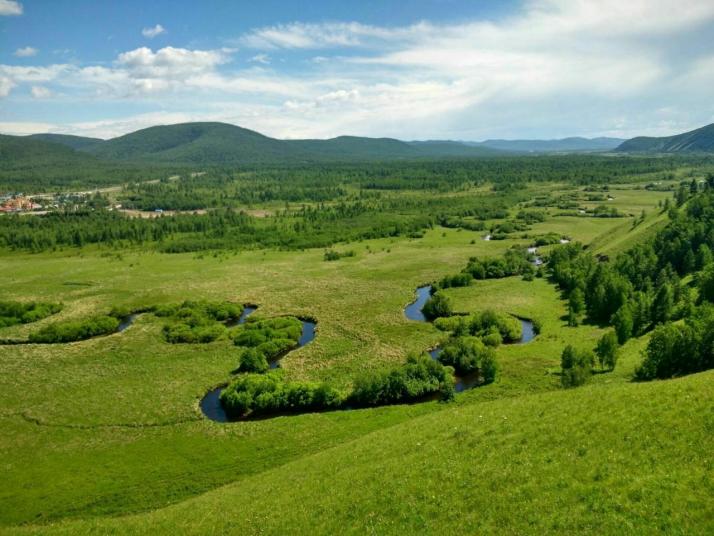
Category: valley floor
[105,435]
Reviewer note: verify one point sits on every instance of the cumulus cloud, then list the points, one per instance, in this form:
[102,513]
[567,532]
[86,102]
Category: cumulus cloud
[10,7]
[169,63]
[25,52]
[150,33]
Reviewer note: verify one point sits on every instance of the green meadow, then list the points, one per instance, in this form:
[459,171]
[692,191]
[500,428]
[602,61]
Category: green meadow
[106,435]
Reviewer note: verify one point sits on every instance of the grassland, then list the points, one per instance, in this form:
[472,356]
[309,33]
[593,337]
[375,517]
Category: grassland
[599,460]
[111,426]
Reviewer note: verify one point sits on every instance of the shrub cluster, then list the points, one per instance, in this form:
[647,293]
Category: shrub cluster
[12,313]
[420,376]
[576,365]
[469,355]
[488,324]
[438,305]
[513,262]
[197,321]
[262,394]
[76,330]
[270,338]
[332,255]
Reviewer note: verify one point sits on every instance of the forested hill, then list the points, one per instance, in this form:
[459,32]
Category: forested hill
[221,143]
[27,152]
[699,140]
[75,142]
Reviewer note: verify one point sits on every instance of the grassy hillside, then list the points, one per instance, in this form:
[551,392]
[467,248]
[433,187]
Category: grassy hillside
[699,140]
[596,460]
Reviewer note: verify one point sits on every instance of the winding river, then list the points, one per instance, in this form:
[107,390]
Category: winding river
[211,403]
[413,311]
[211,406]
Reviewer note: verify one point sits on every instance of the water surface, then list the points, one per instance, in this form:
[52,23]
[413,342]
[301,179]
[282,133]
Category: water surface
[413,310]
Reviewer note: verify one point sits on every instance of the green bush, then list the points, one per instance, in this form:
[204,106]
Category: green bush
[264,394]
[332,255]
[493,339]
[75,330]
[437,306]
[458,280]
[12,313]
[271,337]
[488,321]
[607,350]
[419,377]
[197,321]
[253,360]
[469,355]
[576,366]
[456,324]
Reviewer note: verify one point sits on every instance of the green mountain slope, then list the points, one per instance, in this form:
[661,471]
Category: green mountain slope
[20,152]
[75,142]
[221,143]
[603,459]
[194,143]
[699,140]
[346,147]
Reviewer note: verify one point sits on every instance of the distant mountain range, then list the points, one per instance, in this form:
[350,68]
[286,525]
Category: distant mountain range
[700,140]
[565,145]
[225,144]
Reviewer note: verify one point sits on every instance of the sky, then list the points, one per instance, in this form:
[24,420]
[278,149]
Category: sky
[408,69]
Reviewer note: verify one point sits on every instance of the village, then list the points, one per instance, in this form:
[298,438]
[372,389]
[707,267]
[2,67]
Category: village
[19,203]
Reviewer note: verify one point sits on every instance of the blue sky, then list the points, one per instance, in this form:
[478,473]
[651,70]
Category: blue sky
[413,69]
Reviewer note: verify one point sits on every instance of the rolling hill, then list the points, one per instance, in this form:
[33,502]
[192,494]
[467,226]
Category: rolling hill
[75,142]
[700,140]
[221,143]
[194,143]
[225,144]
[20,152]
[595,460]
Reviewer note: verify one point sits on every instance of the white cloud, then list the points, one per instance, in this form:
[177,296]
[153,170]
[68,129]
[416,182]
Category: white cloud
[10,7]
[153,32]
[555,67]
[169,63]
[12,76]
[302,35]
[26,52]
[6,85]
[260,58]
[40,92]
